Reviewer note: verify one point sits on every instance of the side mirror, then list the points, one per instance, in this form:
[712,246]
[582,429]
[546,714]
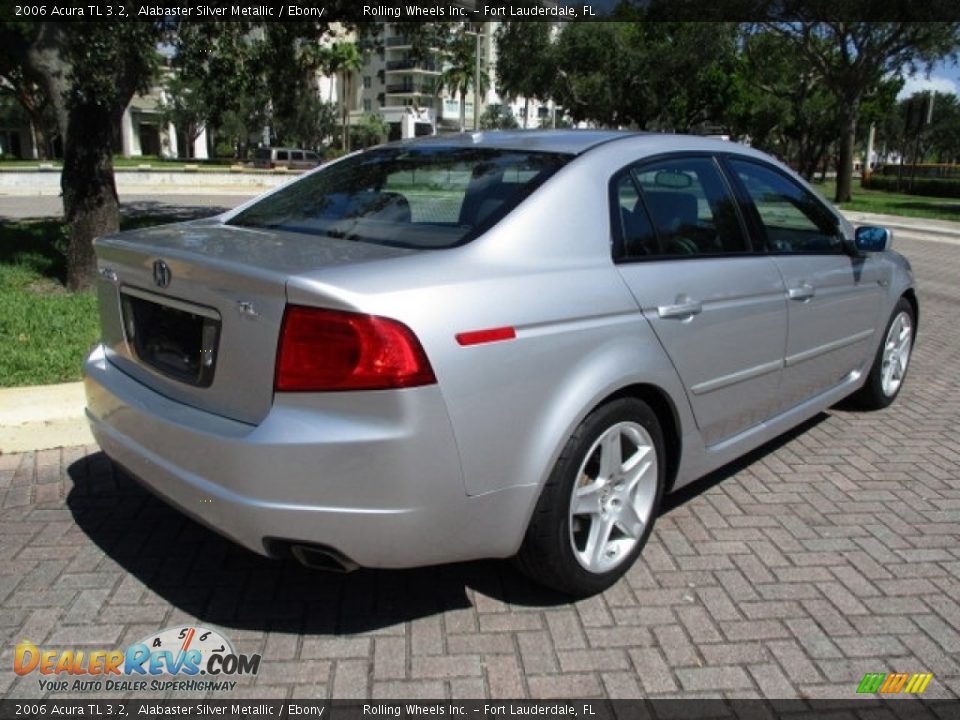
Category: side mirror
[870,239]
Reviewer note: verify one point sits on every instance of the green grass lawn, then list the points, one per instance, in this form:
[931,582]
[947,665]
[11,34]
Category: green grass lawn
[889,203]
[45,332]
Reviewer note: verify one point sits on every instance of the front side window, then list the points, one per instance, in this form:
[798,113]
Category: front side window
[420,197]
[793,219]
[677,207]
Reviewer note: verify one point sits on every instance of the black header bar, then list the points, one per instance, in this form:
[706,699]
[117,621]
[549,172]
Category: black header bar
[351,11]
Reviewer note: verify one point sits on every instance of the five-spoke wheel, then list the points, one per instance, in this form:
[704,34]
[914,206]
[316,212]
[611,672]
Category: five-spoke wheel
[896,352]
[599,504]
[613,496]
[891,361]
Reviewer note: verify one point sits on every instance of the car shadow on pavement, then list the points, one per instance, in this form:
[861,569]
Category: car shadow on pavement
[219,582]
[698,487]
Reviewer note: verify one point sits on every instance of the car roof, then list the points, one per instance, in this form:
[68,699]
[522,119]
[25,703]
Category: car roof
[577,142]
[571,142]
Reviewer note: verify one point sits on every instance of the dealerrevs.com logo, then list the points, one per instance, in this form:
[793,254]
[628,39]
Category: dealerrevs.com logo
[174,659]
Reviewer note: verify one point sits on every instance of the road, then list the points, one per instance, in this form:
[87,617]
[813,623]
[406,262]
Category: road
[827,554]
[174,205]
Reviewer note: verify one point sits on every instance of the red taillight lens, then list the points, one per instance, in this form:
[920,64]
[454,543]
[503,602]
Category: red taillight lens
[324,350]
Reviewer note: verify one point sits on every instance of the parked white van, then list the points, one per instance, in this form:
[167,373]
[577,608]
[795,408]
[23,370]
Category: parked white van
[281,157]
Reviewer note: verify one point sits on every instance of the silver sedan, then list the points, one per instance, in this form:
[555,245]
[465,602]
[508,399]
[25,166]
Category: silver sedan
[487,345]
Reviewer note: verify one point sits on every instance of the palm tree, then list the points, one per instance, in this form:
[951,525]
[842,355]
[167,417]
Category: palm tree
[460,69]
[342,60]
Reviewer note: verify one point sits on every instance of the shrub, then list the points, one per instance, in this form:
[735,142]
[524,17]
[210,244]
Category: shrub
[932,187]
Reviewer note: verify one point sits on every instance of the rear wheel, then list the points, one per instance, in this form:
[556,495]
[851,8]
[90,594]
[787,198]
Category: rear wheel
[890,364]
[599,504]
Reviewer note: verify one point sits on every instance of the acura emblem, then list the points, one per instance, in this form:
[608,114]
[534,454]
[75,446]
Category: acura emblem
[161,273]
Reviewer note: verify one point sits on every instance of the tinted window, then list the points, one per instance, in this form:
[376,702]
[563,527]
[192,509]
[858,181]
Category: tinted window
[421,197]
[638,238]
[690,206]
[793,219]
[296,155]
[282,155]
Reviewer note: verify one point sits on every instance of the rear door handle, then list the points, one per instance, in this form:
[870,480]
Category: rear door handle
[803,292]
[685,309]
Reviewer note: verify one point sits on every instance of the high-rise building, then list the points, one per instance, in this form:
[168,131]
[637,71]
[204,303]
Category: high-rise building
[407,90]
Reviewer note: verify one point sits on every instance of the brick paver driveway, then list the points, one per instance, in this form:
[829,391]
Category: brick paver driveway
[829,553]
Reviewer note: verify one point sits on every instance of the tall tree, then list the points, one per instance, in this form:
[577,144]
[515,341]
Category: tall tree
[20,83]
[944,130]
[596,76]
[89,72]
[657,75]
[311,122]
[459,74]
[183,105]
[783,107]
[853,58]
[523,62]
[343,59]
[216,75]
[691,67]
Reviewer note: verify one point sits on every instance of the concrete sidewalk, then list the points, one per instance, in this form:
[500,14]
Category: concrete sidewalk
[39,418]
[944,231]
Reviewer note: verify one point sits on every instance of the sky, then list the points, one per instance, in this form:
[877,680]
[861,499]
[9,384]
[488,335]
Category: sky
[945,78]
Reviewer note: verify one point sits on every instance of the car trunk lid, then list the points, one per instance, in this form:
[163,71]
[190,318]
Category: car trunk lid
[194,310]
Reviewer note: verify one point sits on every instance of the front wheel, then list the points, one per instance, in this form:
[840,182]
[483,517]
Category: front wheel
[597,508]
[890,364]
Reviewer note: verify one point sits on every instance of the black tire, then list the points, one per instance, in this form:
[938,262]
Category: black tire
[873,395]
[547,554]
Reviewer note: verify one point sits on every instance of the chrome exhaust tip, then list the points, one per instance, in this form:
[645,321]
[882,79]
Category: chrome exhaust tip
[321,558]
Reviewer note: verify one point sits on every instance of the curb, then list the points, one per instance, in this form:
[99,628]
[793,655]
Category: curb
[43,417]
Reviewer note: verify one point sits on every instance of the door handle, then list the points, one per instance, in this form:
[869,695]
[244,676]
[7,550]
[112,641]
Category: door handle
[803,292]
[680,310]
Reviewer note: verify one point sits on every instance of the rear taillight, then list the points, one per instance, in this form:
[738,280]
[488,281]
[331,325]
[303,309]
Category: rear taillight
[324,350]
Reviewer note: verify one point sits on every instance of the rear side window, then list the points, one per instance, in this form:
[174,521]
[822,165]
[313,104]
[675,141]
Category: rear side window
[680,207]
[637,235]
[793,219]
[419,197]
[282,155]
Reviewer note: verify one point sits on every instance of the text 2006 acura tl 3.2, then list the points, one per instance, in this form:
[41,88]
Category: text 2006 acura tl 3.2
[490,345]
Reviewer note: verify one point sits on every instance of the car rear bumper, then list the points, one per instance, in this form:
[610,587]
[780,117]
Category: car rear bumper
[374,476]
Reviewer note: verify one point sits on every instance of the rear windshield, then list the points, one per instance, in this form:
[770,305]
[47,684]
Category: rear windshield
[426,197]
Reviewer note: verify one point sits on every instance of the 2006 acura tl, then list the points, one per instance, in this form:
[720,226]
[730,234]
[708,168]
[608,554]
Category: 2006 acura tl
[487,345]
